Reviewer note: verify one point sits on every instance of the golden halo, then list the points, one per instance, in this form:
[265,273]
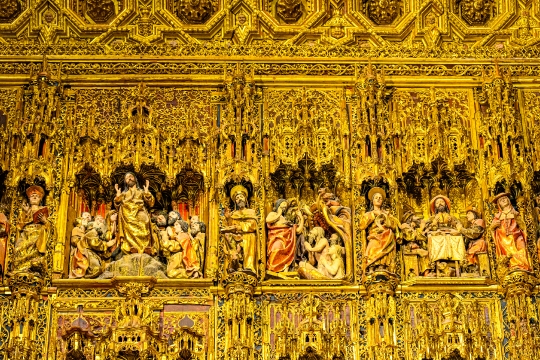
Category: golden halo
[238,189]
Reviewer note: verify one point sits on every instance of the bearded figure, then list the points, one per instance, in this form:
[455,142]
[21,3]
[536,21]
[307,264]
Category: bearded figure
[134,227]
[474,235]
[32,232]
[445,242]
[282,237]
[509,234]
[412,232]
[198,235]
[89,251]
[325,260]
[241,229]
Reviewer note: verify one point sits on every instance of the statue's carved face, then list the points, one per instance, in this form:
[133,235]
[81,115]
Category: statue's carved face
[241,18]
[337,32]
[130,180]
[313,234]
[240,200]
[178,227]
[86,218]
[161,220]
[195,223]
[504,202]
[48,17]
[173,217]
[283,206]
[35,198]
[471,216]
[440,205]
[377,199]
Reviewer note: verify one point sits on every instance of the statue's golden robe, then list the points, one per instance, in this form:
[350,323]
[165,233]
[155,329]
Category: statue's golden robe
[31,242]
[246,220]
[381,241]
[134,228]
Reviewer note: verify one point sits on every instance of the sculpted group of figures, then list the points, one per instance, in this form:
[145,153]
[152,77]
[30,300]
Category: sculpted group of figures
[309,242]
[104,247]
[443,244]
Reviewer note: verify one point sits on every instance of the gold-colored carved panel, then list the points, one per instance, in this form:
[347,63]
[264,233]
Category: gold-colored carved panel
[11,9]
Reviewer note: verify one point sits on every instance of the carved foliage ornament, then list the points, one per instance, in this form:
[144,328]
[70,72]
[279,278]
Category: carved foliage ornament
[9,10]
[382,12]
[290,11]
[476,12]
[195,11]
[100,10]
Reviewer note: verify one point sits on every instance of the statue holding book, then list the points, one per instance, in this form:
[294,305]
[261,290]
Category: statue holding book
[32,232]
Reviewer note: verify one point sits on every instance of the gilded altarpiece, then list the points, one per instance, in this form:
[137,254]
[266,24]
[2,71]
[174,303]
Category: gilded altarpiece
[273,179]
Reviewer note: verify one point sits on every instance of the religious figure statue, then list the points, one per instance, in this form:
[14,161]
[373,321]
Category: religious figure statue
[412,232]
[4,234]
[198,236]
[445,242]
[32,232]
[328,212]
[89,250]
[474,236]
[159,228]
[509,234]
[380,234]
[432,33]
[282,237]
[134,229]
[182,260]
[241,230]
[325,260]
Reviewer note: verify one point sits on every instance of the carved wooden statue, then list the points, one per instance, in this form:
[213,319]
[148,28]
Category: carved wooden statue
[509,234]
[32,233]
[380,228]
[240,234]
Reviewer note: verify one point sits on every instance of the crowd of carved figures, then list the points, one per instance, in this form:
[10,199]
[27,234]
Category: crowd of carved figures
[308,242]
[157,194]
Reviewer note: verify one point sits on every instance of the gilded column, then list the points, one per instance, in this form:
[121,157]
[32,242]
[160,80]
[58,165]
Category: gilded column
[25,289]
[239,311]
[522,315]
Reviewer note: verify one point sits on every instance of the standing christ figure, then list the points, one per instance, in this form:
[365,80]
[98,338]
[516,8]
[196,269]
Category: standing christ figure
[133,220]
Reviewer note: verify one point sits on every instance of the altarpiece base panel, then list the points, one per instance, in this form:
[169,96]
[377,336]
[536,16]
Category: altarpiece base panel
[269,180]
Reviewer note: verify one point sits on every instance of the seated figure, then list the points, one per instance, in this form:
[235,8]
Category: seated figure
[445,242]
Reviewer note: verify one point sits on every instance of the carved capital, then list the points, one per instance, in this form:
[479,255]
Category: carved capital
[381,282]
[518,282]
[240,282]
[134,287]
[24,283]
